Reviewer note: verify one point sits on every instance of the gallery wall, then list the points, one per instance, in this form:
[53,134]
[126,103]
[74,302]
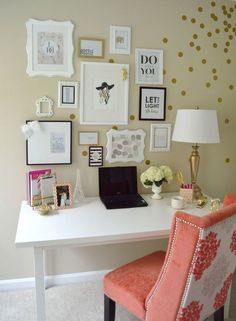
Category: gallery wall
[198,41]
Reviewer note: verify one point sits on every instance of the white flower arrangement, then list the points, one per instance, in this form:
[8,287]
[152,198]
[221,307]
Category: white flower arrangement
[156,175]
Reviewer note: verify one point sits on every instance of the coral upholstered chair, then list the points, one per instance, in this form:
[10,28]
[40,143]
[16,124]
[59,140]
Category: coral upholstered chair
[189,282]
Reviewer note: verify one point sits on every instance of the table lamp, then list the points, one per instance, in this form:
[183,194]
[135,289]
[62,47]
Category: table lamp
[196,126]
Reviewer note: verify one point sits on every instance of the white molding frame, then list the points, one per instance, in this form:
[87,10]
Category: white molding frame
[59,64]
[73,88]
[52,280]
[118,152]
[149,66]
[93,110]
[163,133]
[125,34]
[39,102]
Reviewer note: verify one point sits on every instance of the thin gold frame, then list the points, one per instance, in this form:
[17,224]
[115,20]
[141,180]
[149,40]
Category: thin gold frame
[102,41]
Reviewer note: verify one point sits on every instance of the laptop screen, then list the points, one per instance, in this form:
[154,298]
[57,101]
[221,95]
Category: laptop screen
[117,180]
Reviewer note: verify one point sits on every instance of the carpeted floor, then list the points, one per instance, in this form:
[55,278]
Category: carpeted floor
[77,302]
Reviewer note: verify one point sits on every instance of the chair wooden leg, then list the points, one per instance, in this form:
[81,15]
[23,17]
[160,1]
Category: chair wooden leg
[109,309]
[219,314]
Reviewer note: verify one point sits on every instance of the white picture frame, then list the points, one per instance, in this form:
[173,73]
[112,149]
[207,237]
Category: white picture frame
[149,66]
[104,93]
[40,104]
[68,94]
[49,48]
[51,144]
[120,40]
[88,138]
[91,47]
[125,145]
[160,137]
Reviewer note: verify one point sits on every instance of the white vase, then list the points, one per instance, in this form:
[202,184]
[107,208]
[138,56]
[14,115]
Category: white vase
[156,192]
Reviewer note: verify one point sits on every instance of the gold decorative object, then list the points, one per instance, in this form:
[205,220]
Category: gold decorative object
[227,160]
[184,18]
[183,92]
[200,9]
[84,153]
[195,36]
[124,73]
[202,25]
[132,117]
[72,116]
[191,44]
[228,61]
[202,201]
[209,34]
[147,162]
[180,54]
[193,20]
[226,120]
[204,61]
[170,107]
[190,69]
[215,77]
[219,100]
[231,87]
[215,204]
[165,40]
[208,84]
[214,70]
[198,48]
[43,209]
[173,80]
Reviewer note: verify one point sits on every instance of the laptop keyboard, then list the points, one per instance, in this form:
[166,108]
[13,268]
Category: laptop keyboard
[124,201]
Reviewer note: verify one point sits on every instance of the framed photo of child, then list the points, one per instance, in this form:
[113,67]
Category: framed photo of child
[63,196]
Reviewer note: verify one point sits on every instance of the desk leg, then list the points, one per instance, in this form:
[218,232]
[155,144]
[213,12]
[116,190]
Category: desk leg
[39,283]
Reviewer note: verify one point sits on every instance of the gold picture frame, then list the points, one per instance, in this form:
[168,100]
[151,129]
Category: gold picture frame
[91,47]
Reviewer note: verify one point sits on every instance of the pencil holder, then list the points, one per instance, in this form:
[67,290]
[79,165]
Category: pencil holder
[187,194]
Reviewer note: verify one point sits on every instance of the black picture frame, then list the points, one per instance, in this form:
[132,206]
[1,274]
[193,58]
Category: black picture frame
[51,144]
[152,103]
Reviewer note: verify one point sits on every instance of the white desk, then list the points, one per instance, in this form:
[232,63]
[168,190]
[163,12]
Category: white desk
[91,224]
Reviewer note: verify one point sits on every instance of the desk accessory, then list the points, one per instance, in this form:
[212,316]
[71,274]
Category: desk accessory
[196,126]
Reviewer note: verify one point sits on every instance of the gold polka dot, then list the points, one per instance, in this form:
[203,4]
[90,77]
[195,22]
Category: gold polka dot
[215,77]
[229,15]
[191,44]
[200,9]
[234,29]
[226,50]
[231,37]
[231,9]
[213,70]
[132,117]
[202,26]
[170,107]
[217,31]
[231,87]
[198,48]
[215,18]
[226,29]
[184,18]
[180,54]
[111,61]
[228,61]
[147,162]
[209,34]
[227,43]
[195,36]
[229,25]
[225,22]
[165,40]
[84,153]
[204,61]
[214,45]
[164,72]
[173,80]
[193,20]
[190,69]
[208,84]
[219,100]
[227,160]
[223,7]
[114,127]
[213,3]
[72,116]
[225,12]
[226,120]
[183,92]
[212,15]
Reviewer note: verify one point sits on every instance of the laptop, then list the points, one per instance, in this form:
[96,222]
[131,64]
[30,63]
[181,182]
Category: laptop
[118,187]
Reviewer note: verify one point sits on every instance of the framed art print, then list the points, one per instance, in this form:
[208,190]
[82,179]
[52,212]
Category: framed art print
[149,66]
[152,103]
[91,48]
[160,137]
[88,138]
[125,145]
[104,92]
[120,39]
[68,94]
[49,48]
[95,156]
[50,144]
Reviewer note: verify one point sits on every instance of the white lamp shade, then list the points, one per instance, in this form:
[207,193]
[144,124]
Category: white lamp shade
[198,126]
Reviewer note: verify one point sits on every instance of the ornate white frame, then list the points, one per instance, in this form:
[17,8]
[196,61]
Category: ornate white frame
[125,142]
[39,103]
[55,30]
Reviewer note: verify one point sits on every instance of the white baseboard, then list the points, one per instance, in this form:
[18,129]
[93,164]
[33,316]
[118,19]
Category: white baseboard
[52,280]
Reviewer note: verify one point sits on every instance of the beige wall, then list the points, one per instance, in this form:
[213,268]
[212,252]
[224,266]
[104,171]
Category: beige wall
[151,22]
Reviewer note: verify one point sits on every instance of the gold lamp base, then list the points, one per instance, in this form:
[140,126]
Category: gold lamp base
[194,165]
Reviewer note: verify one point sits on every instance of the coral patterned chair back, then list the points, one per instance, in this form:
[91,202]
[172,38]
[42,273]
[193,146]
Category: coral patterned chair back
[198,268]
